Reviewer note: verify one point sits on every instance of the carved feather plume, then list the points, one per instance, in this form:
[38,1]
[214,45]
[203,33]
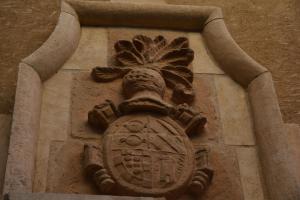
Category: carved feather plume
[170,59]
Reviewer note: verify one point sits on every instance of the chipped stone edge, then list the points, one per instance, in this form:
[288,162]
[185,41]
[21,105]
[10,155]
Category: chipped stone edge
[33,70]
[61,44]
[231,58]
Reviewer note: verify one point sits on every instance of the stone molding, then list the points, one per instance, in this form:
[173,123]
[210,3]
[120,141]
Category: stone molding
[24,131]
[232,59]
[61,44]
[37,67]
[281,181]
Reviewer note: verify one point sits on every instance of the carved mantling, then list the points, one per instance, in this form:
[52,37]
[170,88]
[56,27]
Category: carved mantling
[146,149]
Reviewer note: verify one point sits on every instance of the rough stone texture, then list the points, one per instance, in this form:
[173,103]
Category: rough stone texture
[65,171]
[270,54]
[268,31]
[203,60]
[293,136]
[23,29]
[206,102]
[91,51]
[95,13]
[52,196]
[141,1]
[272,140]
[250,173]
[49,58]
[5,123]
[85,95]
[235,112]
[24,132]
[231,58]
[226,184]
[54,122]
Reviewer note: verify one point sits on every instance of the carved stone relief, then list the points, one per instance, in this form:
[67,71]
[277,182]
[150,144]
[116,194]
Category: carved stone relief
[146,149]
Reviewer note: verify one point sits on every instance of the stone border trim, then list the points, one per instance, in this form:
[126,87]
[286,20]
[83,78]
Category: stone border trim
[280,184]
[61,44]
[231,58]
[24,131]
[37,67]
[280,180]
[100,13]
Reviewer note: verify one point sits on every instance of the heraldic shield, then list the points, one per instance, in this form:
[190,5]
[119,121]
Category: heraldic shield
[146,149]
[149,154]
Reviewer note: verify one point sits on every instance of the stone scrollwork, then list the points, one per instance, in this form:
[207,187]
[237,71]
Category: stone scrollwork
[146,149]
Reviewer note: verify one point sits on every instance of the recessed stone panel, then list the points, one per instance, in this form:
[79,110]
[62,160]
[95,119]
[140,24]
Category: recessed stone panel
[234,111]
[206,102]
[204,62]
[65,172]
[86,93]
[91,51]
[226,184]
[54,122]
[250,173]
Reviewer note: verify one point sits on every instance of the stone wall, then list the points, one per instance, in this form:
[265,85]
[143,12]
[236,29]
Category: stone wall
[267,30]
[70,94]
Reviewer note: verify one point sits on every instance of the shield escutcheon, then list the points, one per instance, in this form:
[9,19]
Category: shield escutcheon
[148,154]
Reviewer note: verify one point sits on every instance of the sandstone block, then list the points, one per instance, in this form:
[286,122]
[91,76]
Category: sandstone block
[91,50]
[235,113]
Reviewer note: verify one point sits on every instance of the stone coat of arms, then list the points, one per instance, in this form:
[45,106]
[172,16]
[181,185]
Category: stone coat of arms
[146,149]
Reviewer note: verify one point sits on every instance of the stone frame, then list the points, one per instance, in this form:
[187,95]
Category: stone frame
[275,161]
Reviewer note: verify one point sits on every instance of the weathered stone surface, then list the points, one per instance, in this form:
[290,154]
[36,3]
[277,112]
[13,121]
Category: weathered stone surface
[230,57]
[65,171]
[141,1]
[22,33]
[54,122]
[52,196]
[206,103]
[278,51]
[122,14]
[91,51]
[293,137]
[203,62]
[85,95]
[226,184]
[61,44]
[234,111]
[5,124]
[272,140]
[24,132]
[250,173]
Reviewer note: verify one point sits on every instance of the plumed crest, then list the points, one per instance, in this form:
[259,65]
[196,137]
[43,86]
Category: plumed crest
[142,50]
[171,59]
